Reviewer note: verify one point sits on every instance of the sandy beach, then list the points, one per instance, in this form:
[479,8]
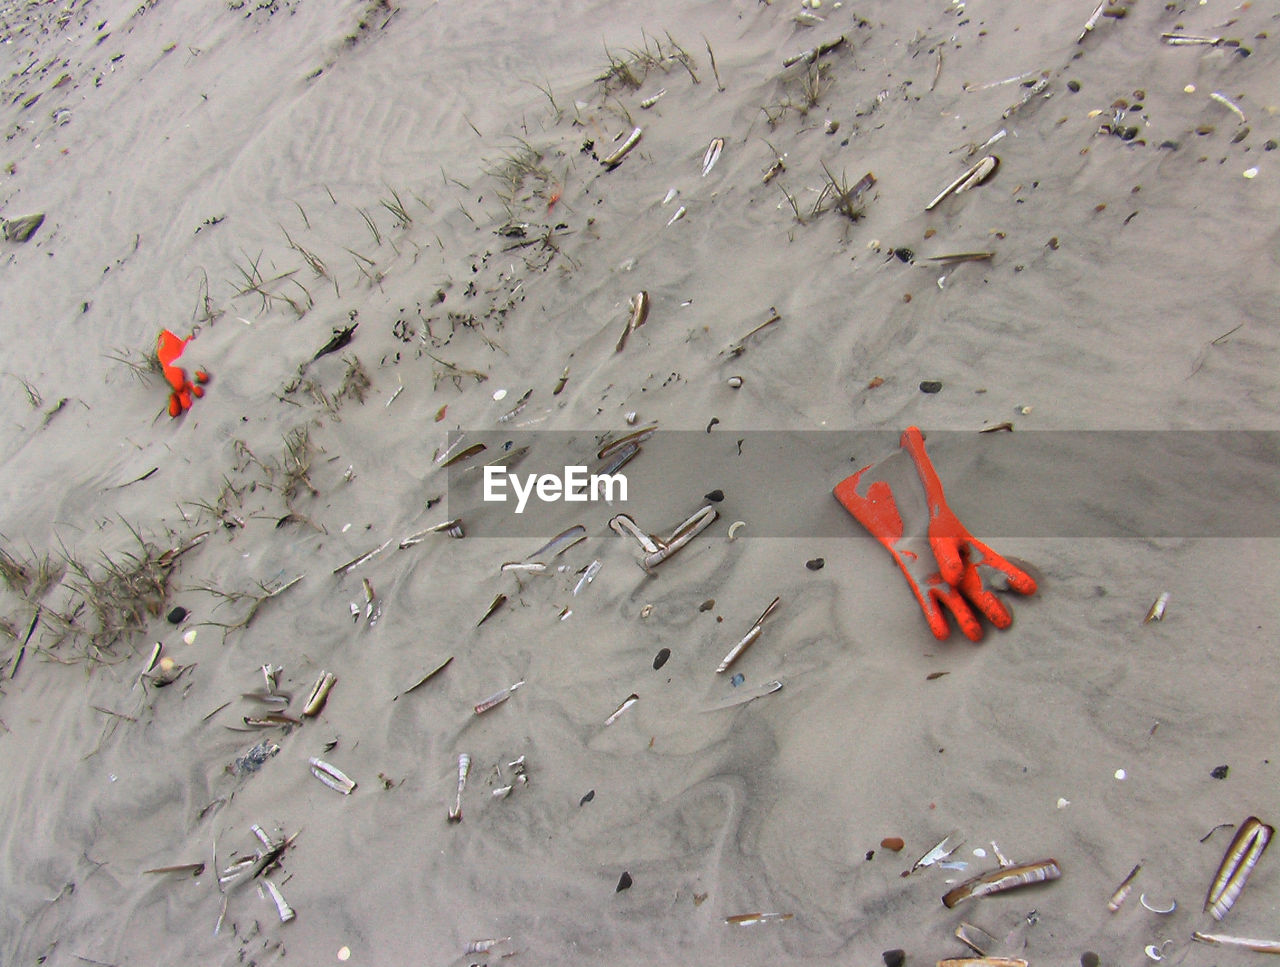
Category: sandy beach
[456,199]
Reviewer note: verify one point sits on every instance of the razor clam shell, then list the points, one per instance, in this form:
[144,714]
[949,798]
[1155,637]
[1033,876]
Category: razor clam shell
[331,776]
[319,694]
[712,156]
[979,172]
[615,159]
[1237,863]
[1001,879]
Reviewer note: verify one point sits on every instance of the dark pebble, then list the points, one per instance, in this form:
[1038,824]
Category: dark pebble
[1073,86]
[817,564]
[1220,772]
[176,615]
[931,386]
[1269,145]
[1089,959]
[707,605]
[904,254]
[587,798]
[715,496]
[624,882]
[661,658]
[894,958]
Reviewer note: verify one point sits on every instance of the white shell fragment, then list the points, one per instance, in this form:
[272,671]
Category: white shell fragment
[1156,613]
[615,159]
[627,703]
[1162,909]
[712,156]
[680,213]
[978,173]
[332,777]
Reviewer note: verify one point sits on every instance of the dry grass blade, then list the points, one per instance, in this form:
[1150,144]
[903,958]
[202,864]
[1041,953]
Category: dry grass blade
[117,598]
[846,195]
[397,209]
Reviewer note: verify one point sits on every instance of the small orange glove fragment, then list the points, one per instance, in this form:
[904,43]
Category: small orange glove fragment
[168,348]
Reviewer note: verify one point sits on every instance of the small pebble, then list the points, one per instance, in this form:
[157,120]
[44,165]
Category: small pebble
[735,382]
[1251,172]
[904,254]
[817,564]
[894,843]
[661,658]
[931,386]
[1269,145]
[1089,959]
[1220,772]
[344,954]
[715,496]
[176,615]
[894,958]
[707,605]
[1121,775]
[737,679]
[1073,86]
[624,882]
[591,794]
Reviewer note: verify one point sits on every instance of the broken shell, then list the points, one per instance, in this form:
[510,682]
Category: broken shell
[712,156]
[736,526]
[631,418]
[1172,905]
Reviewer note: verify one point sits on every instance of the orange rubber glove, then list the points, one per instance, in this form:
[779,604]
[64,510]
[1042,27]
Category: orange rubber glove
[168,348]
[954,580]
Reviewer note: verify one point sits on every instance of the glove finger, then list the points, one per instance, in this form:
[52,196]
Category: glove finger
[947,552]
[1019,580]
[175,406]
[196,391]
[960,610]
[984,600]
[928,601]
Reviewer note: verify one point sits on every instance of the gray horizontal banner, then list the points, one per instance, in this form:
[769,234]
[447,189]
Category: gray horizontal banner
[1126,484]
